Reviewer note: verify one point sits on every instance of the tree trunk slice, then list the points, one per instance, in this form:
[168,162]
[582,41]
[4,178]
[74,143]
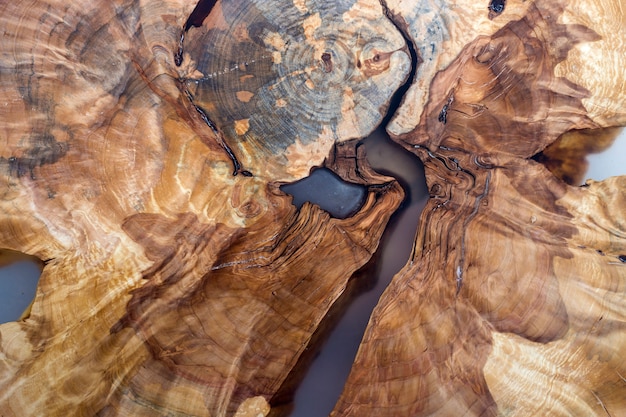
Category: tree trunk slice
[273,75]
[173,287]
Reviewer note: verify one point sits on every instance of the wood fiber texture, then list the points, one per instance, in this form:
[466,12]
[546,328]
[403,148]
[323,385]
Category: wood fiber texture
[171,285]
[513,301]
[142,149]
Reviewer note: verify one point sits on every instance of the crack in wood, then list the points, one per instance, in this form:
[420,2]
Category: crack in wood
[195,19]
[398,96]
[237,167]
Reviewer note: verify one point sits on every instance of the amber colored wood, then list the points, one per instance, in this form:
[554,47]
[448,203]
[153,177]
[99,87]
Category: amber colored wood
[170,285]
[513,302]
[142,154]
[566,158]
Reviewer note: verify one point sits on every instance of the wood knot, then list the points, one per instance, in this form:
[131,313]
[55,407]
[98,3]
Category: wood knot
[243,204]
[248,209]
[378,63]
[327,62]
[486,54]
[436,190]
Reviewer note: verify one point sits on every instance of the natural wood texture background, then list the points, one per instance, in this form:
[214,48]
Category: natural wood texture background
[173,287]
[515,292]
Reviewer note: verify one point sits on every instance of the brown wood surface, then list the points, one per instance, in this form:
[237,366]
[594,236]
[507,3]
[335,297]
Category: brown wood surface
[142,149]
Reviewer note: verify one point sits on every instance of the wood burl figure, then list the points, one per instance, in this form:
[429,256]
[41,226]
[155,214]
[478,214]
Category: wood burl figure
[143,145]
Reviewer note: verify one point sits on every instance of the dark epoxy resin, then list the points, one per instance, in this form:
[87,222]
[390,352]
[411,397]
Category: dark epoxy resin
[195,19]
[497,6]
[324,379]
[324,188]
[199,13]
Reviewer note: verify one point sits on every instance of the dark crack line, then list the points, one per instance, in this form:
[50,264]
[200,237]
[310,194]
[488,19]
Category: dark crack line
[237,167]
[195,19]
[398,96]
[461,265]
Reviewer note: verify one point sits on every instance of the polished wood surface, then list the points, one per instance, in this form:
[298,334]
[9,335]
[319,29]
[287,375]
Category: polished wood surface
[143,149]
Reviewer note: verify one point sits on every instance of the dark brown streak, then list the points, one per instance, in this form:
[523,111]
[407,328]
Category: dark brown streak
[423,240]
[328,63]
[420,240]
[220,138]
[455,167]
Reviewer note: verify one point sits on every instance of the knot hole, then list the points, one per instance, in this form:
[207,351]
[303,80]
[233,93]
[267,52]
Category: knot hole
[327,62]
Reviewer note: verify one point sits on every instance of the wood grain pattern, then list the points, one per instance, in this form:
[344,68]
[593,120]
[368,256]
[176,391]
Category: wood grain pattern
[515,290]
[172,286]
[273,75]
